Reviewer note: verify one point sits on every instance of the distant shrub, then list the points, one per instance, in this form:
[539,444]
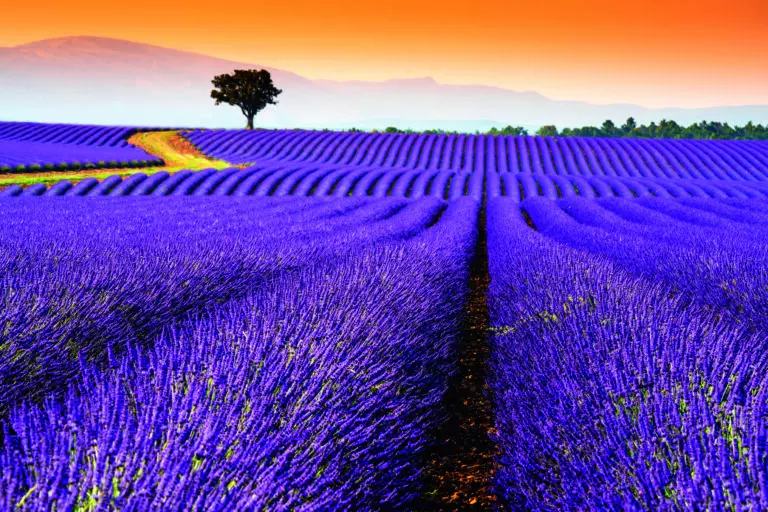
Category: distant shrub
[134,163]
[48,167]
[75,166]
[89,166]
[6,169]
[508,130]
[392,129]
[35,168]
[101,163]
[548,130]
[62,167]
[20,168]
[114,164]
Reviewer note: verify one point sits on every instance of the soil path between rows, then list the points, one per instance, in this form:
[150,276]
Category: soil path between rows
[461,465]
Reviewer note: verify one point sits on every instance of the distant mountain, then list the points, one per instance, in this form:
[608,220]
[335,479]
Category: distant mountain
[110,81]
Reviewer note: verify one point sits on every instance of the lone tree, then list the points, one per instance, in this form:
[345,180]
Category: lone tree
[250,89]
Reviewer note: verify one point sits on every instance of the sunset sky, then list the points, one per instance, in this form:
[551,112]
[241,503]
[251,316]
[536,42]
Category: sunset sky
[652,53]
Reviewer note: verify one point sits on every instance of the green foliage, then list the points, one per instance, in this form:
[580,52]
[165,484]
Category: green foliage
[609,129]
[48,167]
[20,168]
[62,167]
[585,131]
[75,166]
[628,128]
[548,130]
[35,168]
[5,169]
[508,130]
[667,129]
[250,90]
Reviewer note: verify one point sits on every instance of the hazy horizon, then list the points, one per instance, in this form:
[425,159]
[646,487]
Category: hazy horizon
[404,79]
[652,54]
[119,82]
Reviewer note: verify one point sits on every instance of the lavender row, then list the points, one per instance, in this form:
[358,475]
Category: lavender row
[612,393]
[343,182]
[23,156]
[521,186]
[658,159]
[319,181]
[320,390]
[273,181]
[36,147]
[82,135]
[80,278]
[711,251]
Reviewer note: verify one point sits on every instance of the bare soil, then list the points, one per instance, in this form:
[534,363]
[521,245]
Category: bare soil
[461,465]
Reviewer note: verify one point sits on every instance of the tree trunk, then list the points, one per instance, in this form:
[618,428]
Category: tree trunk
[250,122]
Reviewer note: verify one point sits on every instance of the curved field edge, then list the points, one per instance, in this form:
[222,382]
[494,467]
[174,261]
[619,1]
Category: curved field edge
[175,151]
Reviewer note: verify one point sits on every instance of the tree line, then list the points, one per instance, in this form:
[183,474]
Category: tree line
[665,129]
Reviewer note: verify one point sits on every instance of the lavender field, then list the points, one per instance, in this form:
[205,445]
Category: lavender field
[36,147]
[358,321]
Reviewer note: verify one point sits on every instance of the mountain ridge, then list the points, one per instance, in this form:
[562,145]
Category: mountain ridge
[104,80]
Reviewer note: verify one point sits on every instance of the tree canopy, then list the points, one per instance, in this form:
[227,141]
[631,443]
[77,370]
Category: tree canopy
[249,89]
[547,131]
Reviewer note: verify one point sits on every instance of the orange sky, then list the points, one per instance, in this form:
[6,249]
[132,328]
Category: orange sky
[651,52]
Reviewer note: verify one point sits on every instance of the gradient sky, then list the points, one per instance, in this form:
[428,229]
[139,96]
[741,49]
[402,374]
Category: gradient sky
[653,53]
